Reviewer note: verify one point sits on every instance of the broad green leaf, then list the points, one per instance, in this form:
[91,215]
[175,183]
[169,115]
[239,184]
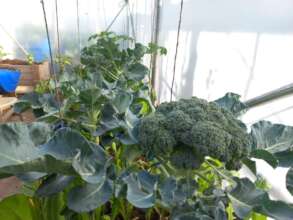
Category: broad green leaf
[15,208]
[272,137]
[141,189]
[31,99]
[220,212]
[89,196]
[276,209]
[90,96]
[18,142]
[186,212]
[257,216]
[46,102]
[251,165]
[137,72]
[275,138]
[245,196]
[131,152]
[92,167]
[108,119]
[44,164]
[266,156]
[53,184]
[21,106]
[289,181]
[191,215]
[285,158]
[231,102]
[165,187]
[65,144]
[122,101]
[89,160]
[30,176]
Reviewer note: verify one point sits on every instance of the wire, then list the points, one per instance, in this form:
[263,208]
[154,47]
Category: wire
[78,26]
[176,51]
[117,15]
[57,27]
[14,40]
[131,21]
[51,57]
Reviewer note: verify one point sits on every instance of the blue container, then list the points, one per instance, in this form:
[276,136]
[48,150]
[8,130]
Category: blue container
[9,80]
[40,51]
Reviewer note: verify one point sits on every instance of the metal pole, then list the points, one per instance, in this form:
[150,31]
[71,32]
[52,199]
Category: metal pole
[155,40]
[270,96]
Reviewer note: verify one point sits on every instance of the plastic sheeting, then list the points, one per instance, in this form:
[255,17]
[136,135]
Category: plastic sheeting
[241,46]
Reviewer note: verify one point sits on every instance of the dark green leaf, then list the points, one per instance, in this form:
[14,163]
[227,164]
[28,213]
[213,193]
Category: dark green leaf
[65,145]
[272,137]
[250,164]
[53,184]
[137,72]
[276,209]
[92,167]
[285,158]
[245,196]
[141,189]
[266,156]
[16,207]
[231,102]
[122,101]
[44,164]
[289,181]
[18,142]
[30,176]
[90,196]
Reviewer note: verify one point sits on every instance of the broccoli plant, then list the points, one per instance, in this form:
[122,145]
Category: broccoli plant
[102,151]
[186,131]
[181,179]
[104,93]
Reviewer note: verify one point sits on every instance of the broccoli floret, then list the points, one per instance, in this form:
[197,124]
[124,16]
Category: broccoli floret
[156,138]
[185,131]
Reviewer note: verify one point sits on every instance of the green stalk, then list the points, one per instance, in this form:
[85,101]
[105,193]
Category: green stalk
[35,208]
[53,206]
[92,215]
[200,175]
[229,179]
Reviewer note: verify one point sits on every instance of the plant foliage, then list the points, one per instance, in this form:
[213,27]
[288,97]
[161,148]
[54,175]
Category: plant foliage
[103,149]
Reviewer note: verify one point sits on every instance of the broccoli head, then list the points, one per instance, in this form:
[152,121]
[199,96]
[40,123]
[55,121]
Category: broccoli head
[185,131]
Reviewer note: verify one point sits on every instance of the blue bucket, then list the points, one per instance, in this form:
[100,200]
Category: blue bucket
[9,80]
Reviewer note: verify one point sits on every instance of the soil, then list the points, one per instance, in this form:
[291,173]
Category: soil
[9,186]
[26,117]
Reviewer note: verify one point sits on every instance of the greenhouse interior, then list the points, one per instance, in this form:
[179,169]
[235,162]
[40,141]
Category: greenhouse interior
[146,110]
